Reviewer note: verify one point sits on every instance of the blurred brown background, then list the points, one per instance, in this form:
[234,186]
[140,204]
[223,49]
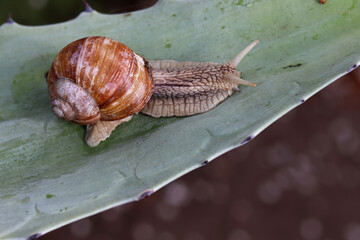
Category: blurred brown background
[298,180]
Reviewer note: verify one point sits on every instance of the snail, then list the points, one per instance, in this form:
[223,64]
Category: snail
[101,83]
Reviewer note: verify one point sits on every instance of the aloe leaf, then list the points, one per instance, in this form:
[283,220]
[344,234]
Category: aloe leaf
[48,175]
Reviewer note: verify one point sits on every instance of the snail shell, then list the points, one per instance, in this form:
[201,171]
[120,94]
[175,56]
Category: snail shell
[98,78]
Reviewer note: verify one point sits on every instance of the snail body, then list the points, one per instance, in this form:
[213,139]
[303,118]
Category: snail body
[99,82]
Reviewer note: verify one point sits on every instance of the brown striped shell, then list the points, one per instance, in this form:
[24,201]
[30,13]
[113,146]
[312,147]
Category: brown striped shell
[98,78]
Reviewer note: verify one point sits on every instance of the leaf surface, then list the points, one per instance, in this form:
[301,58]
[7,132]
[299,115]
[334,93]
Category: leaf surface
[48,175]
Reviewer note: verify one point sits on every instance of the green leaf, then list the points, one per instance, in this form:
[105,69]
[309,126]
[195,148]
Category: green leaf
[49,176]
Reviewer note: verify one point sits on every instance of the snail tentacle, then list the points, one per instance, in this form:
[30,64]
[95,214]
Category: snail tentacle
[236,60]
[237,80]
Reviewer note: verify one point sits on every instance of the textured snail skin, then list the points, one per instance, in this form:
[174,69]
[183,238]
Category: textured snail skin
[102,83]
[108,71]
[188,88]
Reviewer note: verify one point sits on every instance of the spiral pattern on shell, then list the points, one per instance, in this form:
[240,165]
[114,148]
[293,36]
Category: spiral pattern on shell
[98,78]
